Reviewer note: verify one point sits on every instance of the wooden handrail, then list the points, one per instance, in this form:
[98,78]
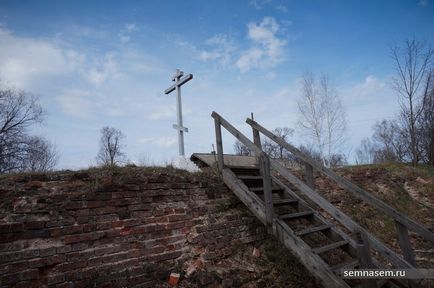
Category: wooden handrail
[263,160]
[346,184]
[311,193]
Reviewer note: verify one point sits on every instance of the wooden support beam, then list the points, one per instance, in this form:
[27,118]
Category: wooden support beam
[346,184]
[268,193]
[256,138]
[364,257]
[311,261]
[404,243]
[339,215]
[219,143]
[310,180]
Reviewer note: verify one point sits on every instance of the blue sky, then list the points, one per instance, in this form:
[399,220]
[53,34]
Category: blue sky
[97,63]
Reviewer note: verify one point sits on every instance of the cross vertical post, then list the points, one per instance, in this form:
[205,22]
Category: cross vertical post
[179,81]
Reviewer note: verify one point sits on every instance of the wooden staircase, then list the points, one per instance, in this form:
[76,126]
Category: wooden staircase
[279,199]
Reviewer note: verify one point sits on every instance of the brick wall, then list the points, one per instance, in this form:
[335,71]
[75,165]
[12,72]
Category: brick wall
[129,227]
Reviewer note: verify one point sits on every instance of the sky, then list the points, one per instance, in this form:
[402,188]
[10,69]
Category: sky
[107,63]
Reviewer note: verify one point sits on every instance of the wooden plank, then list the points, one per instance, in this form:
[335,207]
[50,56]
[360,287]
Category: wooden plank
[284,201]
[316,266]
[261,189]
[253,202]
[313,229]
[237,134]
[268,196]
[219,143]
[346,265]
[364,257]
[249,177]
[256,138]
[404,243]
[339,215]
[296,215]
[344,183]
[319,218]
[325,248]
[310,180]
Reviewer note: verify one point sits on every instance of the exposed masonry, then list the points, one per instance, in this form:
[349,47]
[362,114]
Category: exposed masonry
[81,229]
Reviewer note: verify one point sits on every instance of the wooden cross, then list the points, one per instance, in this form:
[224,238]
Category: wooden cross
[177,86]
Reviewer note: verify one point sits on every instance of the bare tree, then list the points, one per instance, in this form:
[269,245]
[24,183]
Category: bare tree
[390,141]
[110,151]
[39,155]
[18,111]
[412,63]
[365,153]
[426,122]
[273,149]
[241,149]
[322,117]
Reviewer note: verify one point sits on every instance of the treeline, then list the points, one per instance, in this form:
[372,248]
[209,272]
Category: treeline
[322,120]
[20,151]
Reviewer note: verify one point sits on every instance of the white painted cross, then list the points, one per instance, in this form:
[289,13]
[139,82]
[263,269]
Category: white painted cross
[177,86]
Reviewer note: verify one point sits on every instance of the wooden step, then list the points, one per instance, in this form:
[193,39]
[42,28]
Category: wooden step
[329,247]
[296,215]
[279,202]
[261,189]
[249,177]
[345,265]
[313,229]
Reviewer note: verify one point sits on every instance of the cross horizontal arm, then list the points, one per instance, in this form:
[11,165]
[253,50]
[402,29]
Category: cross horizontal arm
[175,126]
[181,82]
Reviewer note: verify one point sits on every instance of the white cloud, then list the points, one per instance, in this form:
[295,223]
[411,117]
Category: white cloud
[368,90]
[76,103]
[222,49]
[162,142]
[163,112]
[259,4]
[104,69]
[124,34]
[267,47]
[23,60]
[423,3]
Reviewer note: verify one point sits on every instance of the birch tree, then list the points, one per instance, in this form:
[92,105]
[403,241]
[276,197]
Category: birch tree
[322,117]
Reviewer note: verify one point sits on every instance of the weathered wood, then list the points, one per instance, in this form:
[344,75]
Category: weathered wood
[328,247]
[364,258]
[237,134]
[268,196]
[404,243]
[284,202]
[319,218]
[343,182]
[249,199]
[339,215]
[256,138]
[296,215]
[312,262]
[310,180]
[219,143]
[313,229]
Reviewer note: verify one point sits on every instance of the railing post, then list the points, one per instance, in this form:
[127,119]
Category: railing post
[310,180]
[268,196]
[364,257]
[404,243]
[256,138]
[219,143]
